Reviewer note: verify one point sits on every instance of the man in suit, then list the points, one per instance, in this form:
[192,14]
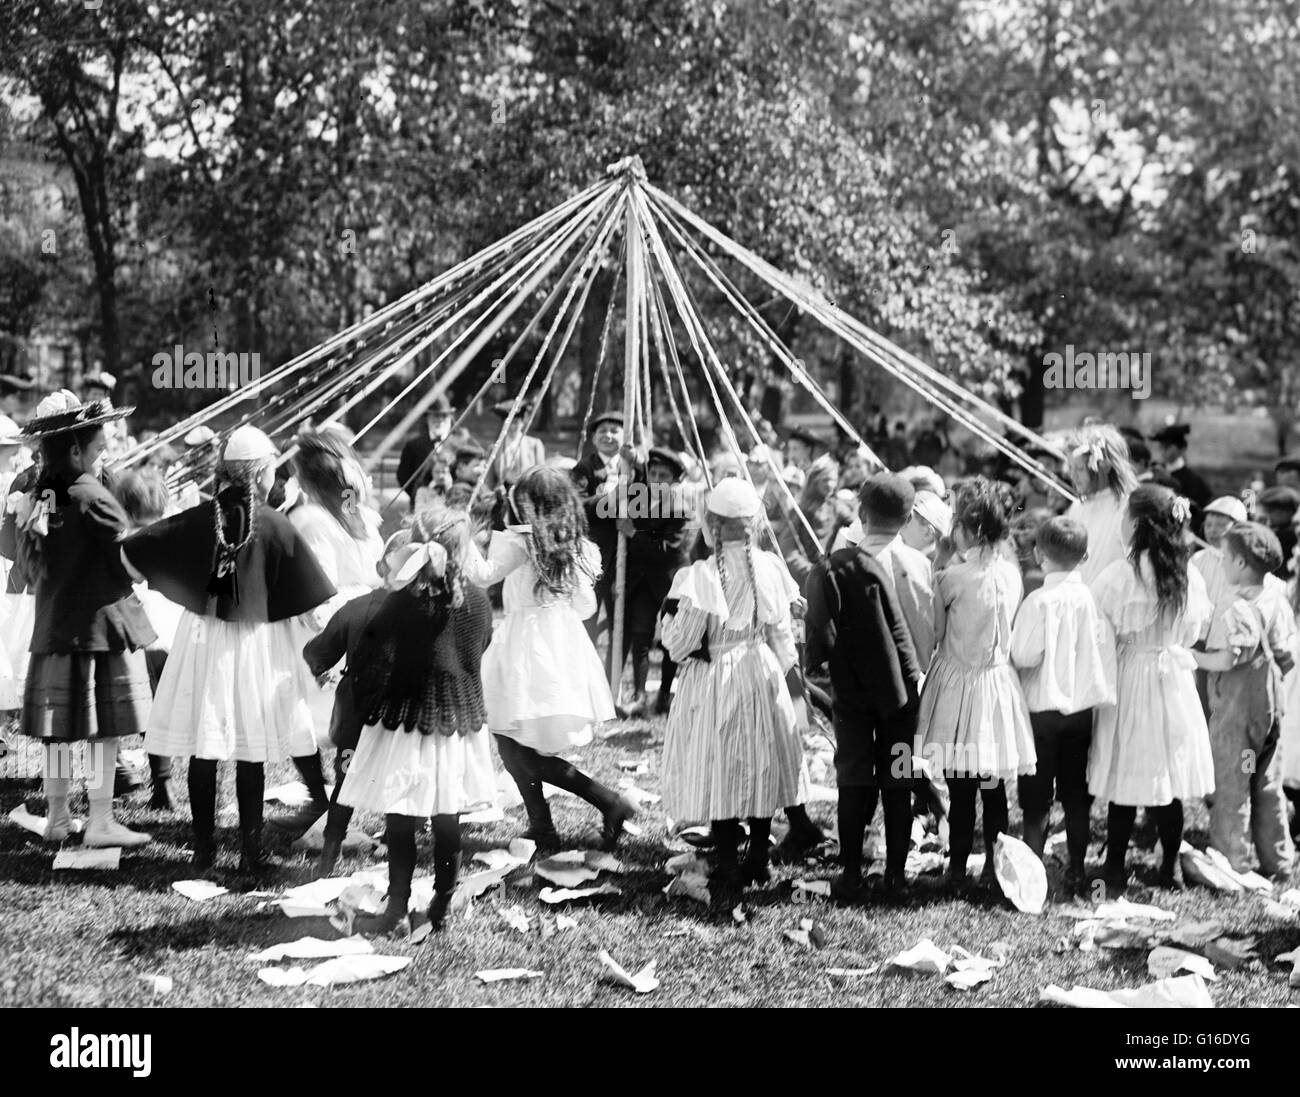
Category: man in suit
[1171,451]
[415,454]
[597,476]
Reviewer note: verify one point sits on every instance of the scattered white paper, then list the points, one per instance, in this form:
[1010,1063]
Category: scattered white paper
[967,979]
[313,948]
[1165,962]
[574,867]
[1130,912]
[1184,992]
[1211,869]
[567,895]
[634,766]
[500,975]
[515,919]
[643,981]
[852,972]
[36,823]
[484,816]
[686,863]
[88,860]
[1020,874]
[362,898]
[809,934]
[336,972]
[160,984]
[283,977]
[355,841]
[814,887]
[292,794]
[638,796]
[563,922]
[689,885]
[200,891]
[1056,846]
[925,958]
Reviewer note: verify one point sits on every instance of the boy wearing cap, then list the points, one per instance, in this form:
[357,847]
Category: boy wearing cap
[1248,652]
[1219,516]
[598,473]
[656,547]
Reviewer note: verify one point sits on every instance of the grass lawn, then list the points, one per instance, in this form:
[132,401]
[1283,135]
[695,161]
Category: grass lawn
[84,939]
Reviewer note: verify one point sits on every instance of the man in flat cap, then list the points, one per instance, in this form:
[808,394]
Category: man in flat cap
[657,546]
[597,474]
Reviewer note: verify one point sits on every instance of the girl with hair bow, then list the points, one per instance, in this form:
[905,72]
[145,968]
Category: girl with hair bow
[1103,476]
[423,750]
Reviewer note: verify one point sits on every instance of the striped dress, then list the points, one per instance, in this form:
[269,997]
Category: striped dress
[732,748]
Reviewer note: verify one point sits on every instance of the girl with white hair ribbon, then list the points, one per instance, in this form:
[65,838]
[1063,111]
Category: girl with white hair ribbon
[1104,477]
[229,689]
[423,751]
[732,749]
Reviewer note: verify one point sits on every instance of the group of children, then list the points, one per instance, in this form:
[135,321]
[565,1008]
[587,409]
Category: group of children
[937,663]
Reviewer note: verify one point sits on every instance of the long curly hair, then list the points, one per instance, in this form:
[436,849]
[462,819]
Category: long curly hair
[545,500]
[394,667]
[1099,460]
[330,473]
[983,510]
[1159,534]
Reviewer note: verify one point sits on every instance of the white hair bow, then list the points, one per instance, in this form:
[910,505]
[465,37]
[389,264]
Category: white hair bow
[1181,509]
[407,562]
[1093,450]
[32,513]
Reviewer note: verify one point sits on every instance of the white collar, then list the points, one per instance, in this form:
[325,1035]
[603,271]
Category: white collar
[1057,578]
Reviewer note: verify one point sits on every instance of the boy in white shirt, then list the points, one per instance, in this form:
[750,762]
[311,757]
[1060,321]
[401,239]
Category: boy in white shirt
[1058,644]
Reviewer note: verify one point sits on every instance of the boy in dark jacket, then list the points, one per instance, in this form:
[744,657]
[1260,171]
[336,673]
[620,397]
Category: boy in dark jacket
[856,627]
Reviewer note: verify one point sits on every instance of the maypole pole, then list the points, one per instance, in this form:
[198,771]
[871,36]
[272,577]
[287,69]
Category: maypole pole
[633,173]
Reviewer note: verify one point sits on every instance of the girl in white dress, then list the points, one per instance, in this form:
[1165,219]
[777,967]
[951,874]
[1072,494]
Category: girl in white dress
[423,749]
[732,749]
[336,521]
[1152,748]
[543,682]
[973,717]
[229,689]
[1103,476]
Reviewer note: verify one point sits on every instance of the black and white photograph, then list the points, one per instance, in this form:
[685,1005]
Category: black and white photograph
[744,504]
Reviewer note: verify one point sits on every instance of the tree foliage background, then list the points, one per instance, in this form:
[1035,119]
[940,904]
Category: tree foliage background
[982,182]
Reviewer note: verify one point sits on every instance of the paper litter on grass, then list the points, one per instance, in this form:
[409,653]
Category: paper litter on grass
[563,922]
[518,853]
[292,794]
[313,948]
[336,972]
[199,890]
[1020,874]
[501,975]
[643,981]
[566,895]
[924,958]
[1183,992]
[161,985]
[638,796]
[1211,869]
[574,867]
[515,918]
[852,972]
[810,934]
[88,860]
[1131,912]
[1166,961]
[484,816]
[355,841]
[689,885]
[634,766]
[1292,957]
[36,823]
[821,888]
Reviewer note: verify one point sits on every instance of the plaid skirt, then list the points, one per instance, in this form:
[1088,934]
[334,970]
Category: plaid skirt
[90,695]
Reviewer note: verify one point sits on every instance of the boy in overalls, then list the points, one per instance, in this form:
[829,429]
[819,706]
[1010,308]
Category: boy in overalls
[1248,653]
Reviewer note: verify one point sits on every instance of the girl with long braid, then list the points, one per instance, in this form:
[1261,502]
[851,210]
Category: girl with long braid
[229,689]
[423,750]
[542,679]
[732,749]
[338,524]
[1152,747]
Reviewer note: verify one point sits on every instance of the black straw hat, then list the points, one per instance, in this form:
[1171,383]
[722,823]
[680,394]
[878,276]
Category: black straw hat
[63,411]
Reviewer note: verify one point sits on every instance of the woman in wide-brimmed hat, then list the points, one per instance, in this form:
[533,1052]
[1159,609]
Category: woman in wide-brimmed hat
[87,681]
